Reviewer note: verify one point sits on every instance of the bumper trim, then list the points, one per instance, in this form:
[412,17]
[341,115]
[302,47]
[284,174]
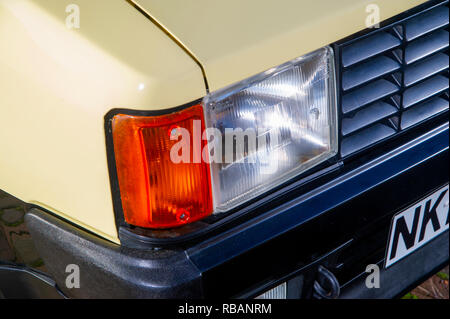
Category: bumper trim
[111,271]
[21,282]
[108,270]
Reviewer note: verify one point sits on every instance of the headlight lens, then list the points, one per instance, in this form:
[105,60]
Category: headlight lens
[271,127]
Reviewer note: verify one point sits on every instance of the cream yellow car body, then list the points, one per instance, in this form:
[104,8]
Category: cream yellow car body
[57,83]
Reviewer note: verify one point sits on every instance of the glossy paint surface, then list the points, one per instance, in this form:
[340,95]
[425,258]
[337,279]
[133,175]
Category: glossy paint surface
[236,39]
[57,83]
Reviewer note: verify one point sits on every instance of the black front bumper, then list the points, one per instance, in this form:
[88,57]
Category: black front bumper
[404,275]
[342,224]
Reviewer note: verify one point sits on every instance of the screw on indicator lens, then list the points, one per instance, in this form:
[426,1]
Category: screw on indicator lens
[183,215]
[147,173]
[174,132]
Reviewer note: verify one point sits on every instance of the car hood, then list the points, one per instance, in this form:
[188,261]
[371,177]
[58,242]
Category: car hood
[235,39]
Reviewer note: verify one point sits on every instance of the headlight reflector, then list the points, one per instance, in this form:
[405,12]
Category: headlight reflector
[272,127]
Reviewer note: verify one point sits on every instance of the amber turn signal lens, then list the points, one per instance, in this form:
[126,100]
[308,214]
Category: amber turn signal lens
[156,191]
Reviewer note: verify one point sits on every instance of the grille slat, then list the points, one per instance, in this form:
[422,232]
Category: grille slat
[368,71]
[426,68]
[424,90]
[426,22]
[394,78]
[426,46]
[369,47]
[368,94]
[365,138]
[366,116]
[423,111]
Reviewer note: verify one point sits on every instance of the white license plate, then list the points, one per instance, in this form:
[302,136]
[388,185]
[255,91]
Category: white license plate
[417,225]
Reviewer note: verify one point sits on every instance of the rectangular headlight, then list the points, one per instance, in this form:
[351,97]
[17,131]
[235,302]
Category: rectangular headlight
[271,127]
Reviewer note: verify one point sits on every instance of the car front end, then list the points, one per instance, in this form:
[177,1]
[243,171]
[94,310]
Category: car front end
[347,178]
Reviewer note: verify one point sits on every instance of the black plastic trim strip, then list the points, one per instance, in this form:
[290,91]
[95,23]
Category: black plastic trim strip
[18,281]
[109,270]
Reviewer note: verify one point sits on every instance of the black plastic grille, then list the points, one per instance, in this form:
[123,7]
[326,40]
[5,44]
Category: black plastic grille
[394,78]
